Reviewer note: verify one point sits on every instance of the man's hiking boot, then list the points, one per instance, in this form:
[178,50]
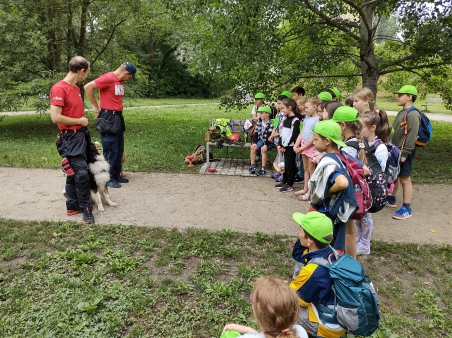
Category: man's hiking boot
[88,217]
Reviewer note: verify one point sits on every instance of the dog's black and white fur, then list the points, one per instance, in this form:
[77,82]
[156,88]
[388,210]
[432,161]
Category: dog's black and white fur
[99,175]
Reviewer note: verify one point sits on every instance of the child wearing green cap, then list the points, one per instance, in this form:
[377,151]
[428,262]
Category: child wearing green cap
[275,308]
[331,188]
[406,96]
[260,143]
[313,284]
[258,102]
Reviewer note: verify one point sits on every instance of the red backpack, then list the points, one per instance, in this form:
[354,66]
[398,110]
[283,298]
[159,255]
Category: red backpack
[360,186]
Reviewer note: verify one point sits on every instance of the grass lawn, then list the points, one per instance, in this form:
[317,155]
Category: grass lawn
[158,139]
[71,280]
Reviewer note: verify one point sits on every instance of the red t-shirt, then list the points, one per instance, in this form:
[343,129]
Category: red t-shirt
[67,96]
[111,91]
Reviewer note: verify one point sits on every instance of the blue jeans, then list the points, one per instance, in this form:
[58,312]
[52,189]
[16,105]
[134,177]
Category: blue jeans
[113,148]
[77,185]
[299,161]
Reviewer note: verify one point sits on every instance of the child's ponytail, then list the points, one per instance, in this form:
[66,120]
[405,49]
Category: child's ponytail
[379,118]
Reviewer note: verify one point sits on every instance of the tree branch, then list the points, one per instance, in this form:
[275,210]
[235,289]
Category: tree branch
[329,20]
[108,40]
[410,69]
[399,61]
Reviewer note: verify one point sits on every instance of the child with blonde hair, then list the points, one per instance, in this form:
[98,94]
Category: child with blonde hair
[275,308]
[305,144]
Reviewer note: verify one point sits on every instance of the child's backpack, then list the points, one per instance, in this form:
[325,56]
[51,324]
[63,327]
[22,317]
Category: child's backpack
[392,169]
[360,186]
[377,179]
[356,304]
[425,131]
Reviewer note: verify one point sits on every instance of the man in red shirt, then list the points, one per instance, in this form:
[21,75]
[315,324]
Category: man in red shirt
[109,119]
[67,111]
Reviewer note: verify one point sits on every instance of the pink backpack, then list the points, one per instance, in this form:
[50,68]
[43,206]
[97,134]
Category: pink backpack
[360,186]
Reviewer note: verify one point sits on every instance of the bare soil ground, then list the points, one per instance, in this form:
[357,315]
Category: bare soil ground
[245,204]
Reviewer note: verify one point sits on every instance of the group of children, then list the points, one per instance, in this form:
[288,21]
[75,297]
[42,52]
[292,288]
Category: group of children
[306,129]
[320,131]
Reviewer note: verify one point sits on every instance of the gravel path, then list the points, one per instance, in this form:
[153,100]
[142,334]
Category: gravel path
[245,204]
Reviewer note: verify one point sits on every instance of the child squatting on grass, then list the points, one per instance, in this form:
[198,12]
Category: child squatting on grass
[313,284]
[276,309]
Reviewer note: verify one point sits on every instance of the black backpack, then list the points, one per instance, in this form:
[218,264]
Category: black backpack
[378,184]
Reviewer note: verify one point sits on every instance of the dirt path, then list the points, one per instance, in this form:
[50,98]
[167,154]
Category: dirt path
[245,204]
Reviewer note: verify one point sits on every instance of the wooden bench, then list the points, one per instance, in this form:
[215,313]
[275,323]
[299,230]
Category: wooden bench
[236,127]
[431,100]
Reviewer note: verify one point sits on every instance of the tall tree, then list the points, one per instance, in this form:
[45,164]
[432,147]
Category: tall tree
[285,41]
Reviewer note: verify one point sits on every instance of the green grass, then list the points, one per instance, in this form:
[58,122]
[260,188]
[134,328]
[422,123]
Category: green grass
[158,139]
[68,280]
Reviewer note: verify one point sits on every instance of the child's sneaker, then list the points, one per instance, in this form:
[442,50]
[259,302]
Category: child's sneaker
[279,185]
[261,172]
[362,249]
[286,188]
[403,213]
[391,202]
[252,169]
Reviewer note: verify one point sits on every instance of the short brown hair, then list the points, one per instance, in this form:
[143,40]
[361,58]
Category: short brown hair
[78,63]
[317,243]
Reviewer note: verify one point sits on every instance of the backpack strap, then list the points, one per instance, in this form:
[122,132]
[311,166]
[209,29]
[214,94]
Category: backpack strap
[405,124]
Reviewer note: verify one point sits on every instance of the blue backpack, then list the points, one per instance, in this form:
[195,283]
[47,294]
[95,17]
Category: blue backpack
[356,304]
[393,164]
[424,135]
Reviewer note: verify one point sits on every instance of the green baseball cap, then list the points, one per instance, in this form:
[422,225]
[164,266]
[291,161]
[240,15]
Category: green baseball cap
[325,96]
[336,92]
[316,224]
[265,109]
[287,94]
[259,96]
[331,130]
[345,114]
[407,89]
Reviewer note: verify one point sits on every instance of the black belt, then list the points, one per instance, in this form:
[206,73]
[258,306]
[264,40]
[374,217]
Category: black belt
[108,111]
[73,131]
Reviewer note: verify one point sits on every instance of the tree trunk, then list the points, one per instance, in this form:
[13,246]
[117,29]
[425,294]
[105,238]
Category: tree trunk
[369,67]
[151,53]
[167,56]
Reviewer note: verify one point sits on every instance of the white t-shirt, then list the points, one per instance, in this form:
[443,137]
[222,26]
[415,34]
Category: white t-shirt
[381,153]
[255,112]
[301,333]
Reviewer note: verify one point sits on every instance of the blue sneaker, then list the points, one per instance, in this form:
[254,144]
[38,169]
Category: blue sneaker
[261,172]
[391,204]
[121,179]
[252,169]
[403,213]
[113,184]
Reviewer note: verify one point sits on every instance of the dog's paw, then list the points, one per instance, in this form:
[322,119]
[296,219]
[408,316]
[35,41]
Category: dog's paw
[112,204]
[100,208]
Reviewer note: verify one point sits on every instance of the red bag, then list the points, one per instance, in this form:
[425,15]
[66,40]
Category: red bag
[360,186]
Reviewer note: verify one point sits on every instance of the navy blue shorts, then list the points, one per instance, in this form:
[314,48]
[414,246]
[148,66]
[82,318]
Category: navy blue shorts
[406,167]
